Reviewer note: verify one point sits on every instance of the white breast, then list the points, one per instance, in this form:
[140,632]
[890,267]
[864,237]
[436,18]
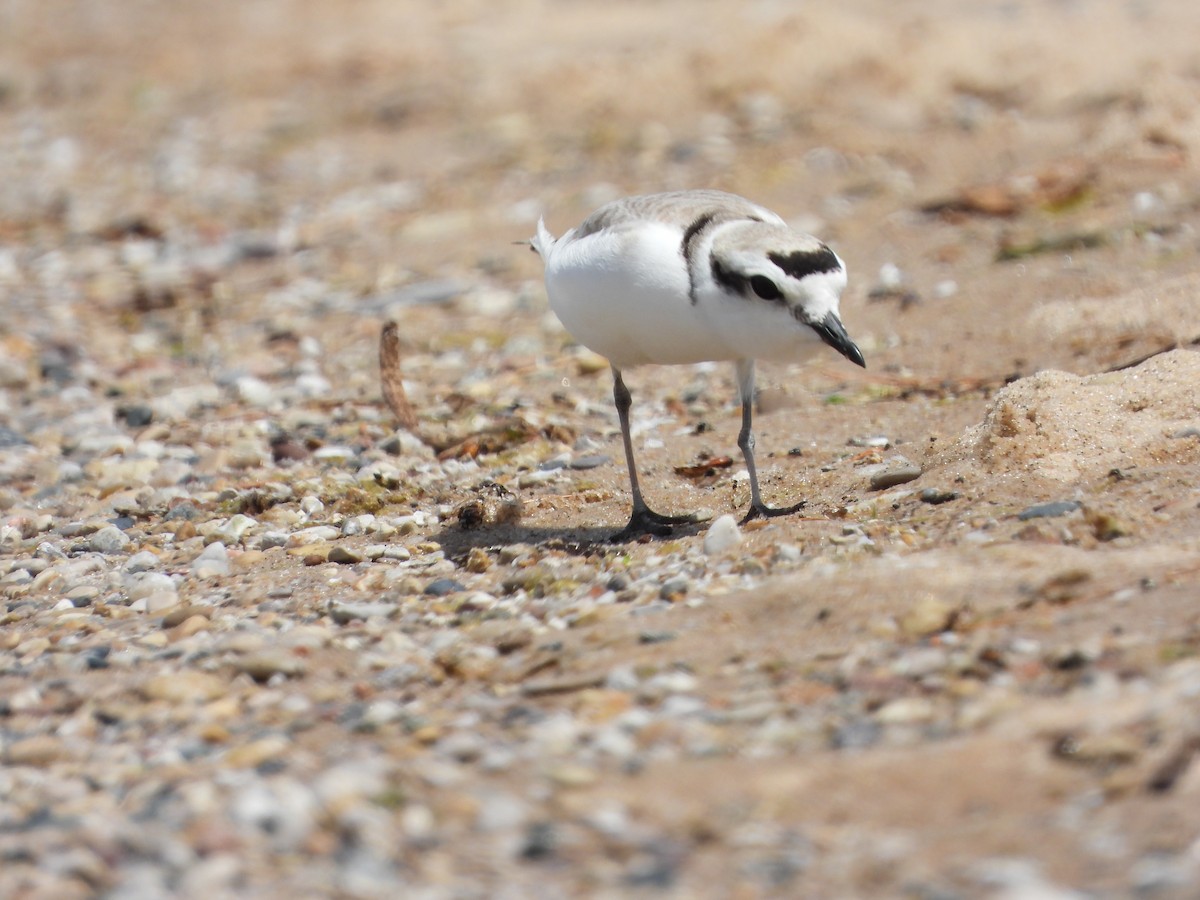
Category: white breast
[625,293]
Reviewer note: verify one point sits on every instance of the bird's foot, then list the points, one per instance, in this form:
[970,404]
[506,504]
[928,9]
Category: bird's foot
[646,521]
[762,511]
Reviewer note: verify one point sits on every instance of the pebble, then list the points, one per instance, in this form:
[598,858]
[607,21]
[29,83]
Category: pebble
[38,751]
[674,589]
[143,561]
[213,562]
[896,471]
[144,584]
[442,587]
[723,534]
[109,540]
[184,687]
[344,555]
[928,615]
[1049,510]
[936,496]
[264,665]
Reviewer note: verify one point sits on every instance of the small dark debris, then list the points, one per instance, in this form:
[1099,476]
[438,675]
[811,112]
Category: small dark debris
[934,496]
[1169,772]
[135,415]
[656,637]
[540,843]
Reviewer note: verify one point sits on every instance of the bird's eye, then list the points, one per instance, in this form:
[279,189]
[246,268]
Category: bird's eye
[765,287]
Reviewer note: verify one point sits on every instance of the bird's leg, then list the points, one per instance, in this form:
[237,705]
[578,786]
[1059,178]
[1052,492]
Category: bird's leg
[745,374]
[644,520]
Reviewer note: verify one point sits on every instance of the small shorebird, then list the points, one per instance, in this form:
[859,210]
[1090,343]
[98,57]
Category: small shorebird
[688,277]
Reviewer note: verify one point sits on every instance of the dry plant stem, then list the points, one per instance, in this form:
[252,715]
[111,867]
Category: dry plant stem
[390,378]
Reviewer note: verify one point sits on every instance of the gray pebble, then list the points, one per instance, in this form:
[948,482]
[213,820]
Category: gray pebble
[1048,510]
[590,461]
[897,472]
[934,496]
[47,550]
[441,587]
[674,587]
[343,613]
[141,562]
[108,540]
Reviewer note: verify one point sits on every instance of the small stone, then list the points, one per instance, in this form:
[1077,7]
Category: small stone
[233,531]
[590,461]
[109,540]
[1048,510]
[572,775]
[443,587]
[935,496]
[82,595]
[343,555]
[478,560]
[39,750]
[1108,526]
[875,441]
[896,471]
[190,626]
[181,614]
[184,687]
[906,711]
[142,562]
[254,391]
[335,454]
[929,615]
[160,602]
[144,584]
[254,754]
[316,535]
[344,613]
[675,589]
[723,534]
[262,666]
[213,562]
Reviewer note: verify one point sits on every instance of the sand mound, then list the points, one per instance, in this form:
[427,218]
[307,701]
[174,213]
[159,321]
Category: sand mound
[1066,428]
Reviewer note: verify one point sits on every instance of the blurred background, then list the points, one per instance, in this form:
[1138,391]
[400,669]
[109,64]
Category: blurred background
[182,181]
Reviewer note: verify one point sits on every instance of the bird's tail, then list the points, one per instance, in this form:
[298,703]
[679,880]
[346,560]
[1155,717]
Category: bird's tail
[542,241]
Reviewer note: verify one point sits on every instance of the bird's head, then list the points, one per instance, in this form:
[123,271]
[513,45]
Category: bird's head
[771,263]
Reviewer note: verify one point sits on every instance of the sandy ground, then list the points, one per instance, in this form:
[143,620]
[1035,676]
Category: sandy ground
[940,689]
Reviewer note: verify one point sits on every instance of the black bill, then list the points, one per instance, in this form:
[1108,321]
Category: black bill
[834,334]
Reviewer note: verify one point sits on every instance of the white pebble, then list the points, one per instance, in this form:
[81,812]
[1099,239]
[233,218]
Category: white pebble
[722,534]
[254,391]
[212,562]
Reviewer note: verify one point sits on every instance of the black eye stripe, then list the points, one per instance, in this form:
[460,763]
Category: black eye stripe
[800,263]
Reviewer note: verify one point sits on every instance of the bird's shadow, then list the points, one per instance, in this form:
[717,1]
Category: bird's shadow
[457,542]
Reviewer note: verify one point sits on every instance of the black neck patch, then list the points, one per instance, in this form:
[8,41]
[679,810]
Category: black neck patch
[800,263]
[691,236]
[734,282]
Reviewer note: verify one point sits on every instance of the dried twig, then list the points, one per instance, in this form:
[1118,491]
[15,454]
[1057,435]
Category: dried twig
[390,378]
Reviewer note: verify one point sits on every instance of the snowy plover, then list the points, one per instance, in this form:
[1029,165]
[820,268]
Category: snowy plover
[687,277]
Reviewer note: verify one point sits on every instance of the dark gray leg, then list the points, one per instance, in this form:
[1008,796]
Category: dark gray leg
[745,373]
[644,520]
